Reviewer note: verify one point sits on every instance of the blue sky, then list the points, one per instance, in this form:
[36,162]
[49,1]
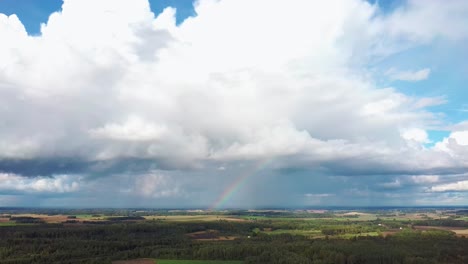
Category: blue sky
[33,13]
[349,103]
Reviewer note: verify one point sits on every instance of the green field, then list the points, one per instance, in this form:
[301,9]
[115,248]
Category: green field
[465,218]
[349,236]
[88,216]
[367,217]
[296,232]
[8,224]
[161,261]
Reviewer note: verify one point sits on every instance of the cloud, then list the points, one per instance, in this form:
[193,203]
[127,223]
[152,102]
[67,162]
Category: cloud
[155,185]
[460,186]
[318,195]
[455,144]
[411,76]
[409,21]
[461,137]
[391,185]
[429,101]
[423,179]
[124,93]
[462,126]
[56,184]
[416,134]
[134,129]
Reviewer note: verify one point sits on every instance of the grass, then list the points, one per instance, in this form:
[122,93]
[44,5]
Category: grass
[84,216]
[465,218]
[162,261]
[8,224]
[295,232]
[88,216]
[349,236]
[5,224]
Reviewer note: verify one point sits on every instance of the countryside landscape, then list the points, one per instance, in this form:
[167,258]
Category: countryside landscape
[233,132]
[147,236]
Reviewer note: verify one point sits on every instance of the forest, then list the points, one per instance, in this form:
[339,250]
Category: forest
[267,240]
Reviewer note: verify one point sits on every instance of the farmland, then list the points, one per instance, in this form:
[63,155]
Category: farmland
[129,236]
[174,261]
[197,262]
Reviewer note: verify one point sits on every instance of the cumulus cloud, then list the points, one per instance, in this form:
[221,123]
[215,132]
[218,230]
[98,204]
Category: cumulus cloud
[461,186]
[55,184]
[455,145]
[124,84]
[415,134]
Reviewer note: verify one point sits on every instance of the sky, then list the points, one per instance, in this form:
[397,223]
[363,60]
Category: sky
[233,103]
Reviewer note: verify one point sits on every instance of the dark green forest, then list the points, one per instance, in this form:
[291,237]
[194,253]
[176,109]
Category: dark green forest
[103,243]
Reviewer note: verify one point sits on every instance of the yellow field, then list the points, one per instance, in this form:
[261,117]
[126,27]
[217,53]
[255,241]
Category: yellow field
[463,232]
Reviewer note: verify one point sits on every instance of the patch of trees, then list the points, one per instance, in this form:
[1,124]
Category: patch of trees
[347,229]
[26,220]
[71,222]
[442,222]
[462,212]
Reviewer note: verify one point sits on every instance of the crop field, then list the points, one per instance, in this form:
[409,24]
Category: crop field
[459,231]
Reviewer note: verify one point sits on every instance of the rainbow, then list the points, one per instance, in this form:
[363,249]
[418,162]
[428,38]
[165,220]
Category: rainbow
[227,194]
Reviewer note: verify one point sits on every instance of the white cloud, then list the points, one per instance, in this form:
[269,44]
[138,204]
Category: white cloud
[109,80]
[415,134]
[411,21]
[456,186]
[423,179]
[12,147]
[134,129]
[462,126]
[155,185]
[412,76]
[456,144]
[55,184]
[429,101]
[461,137]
